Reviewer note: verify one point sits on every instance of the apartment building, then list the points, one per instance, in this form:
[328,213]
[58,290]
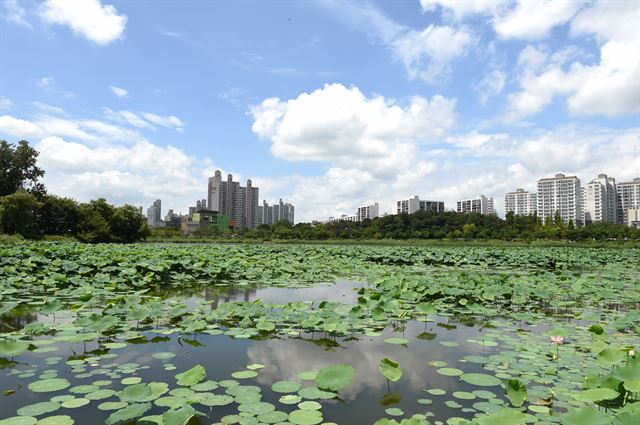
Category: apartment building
[628,198]
[415,204]
[562,194]
[154,213]
[238,203]
[270,214]
[480,205]
[599,200]
[521,202]
[368,212]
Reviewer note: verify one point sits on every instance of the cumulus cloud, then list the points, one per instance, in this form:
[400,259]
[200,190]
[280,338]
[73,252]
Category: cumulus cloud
[426,54]
[135,174]
[379,150]
[90,19]
[119,91]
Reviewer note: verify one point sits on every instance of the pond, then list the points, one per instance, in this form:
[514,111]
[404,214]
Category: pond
[336,336]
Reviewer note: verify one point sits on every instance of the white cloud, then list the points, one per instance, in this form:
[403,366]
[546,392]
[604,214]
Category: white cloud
[337,123]
[532,20]
[519,19]
[50,109]
[5,103]
[491,85]
[170,121]
[371,144]
[15,13]
[18,128]
[425,54]
[50,85]
[135,174]
[91,19]
[119,91]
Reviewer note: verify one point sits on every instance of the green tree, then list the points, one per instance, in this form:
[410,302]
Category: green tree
[18,169]
[59,216]
[128,224]
[19,214]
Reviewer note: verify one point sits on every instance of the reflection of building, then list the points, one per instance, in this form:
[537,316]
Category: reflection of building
[415,204]
[238,203]
[154,213]
[560,194]
[628,197]
[368,212]
[228,294]
[599,201]
[521,202]
[270,214]
[204,219]
[480,205]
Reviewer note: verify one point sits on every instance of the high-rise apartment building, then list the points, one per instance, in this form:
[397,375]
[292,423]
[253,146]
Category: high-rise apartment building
[368,212]
[599,200]
[238,203]
[270,214]
[415,204]
[628,198]
[154,213]
[521,202]
[480,205]
[562,194]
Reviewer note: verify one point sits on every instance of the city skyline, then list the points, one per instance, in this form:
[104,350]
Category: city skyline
[134,103]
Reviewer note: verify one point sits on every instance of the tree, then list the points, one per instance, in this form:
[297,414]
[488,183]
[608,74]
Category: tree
[59,216]
[19,214]
[93,226]
[128,224]
[18,169]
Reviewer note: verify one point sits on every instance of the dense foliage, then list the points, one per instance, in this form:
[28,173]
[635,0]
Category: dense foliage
[27,210]
[447,225]
[552,333]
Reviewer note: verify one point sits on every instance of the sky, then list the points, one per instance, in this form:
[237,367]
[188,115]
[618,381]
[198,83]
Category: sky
[327,104]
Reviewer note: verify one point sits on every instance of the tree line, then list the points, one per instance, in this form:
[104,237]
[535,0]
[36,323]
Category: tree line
[28,210]
[445,225]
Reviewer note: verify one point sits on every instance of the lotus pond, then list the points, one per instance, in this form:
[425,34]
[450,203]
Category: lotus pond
[261,334]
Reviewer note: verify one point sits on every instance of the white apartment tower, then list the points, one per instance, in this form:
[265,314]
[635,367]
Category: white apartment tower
[368,212]
[480,205]
[271,214]
[521,202]
[599,200]
[628,198]
[563,194]
[236,202]
[415,204]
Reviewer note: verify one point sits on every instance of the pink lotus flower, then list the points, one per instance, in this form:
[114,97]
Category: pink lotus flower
[557,340]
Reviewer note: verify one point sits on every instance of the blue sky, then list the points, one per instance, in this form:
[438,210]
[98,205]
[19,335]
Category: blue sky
[327,104]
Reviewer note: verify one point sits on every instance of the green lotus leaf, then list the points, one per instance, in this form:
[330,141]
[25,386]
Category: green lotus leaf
[56,420]
[480,379]
[390,369]
[516,392]
[597,394]
[335,377]
[585,416]
[49,385]
[19,420]
[38,409]
[191,376]
[129,413]
[305,417]
[13,347]
[285,386]
[503,417]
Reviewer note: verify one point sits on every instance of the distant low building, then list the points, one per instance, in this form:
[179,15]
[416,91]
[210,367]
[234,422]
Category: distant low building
[481,205]
[204,219]
[415,204]
[343,217]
